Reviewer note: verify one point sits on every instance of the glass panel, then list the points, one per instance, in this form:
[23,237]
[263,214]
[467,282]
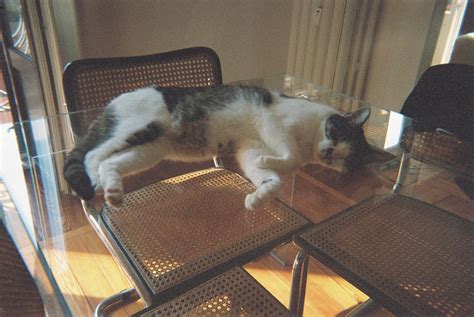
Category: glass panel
[16,28]
[51,212]
[61,214]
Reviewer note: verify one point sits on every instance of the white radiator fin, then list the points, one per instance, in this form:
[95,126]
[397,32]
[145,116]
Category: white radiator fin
[331,42]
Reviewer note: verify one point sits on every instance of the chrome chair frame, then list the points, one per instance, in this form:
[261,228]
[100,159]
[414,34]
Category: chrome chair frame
[78,129]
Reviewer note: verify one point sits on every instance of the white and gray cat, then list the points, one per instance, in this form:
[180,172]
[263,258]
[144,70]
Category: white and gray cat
[269,133]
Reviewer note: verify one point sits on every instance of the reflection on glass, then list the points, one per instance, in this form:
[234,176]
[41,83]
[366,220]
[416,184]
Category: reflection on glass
[394,131]
[16,28]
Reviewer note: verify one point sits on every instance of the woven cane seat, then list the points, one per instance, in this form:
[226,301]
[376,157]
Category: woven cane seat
[19,295]
[233,293]
[441,149]
[191,227]
[409,256]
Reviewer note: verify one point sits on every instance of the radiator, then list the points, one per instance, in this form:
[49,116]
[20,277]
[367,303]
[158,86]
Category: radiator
[331,42]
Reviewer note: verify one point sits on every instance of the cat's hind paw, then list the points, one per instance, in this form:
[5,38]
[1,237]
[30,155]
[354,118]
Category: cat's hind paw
[114,197]
[272,162]
[263,162]
[276,163]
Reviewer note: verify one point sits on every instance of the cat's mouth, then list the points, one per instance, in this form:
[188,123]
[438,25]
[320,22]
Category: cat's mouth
[327,155]
[331,160]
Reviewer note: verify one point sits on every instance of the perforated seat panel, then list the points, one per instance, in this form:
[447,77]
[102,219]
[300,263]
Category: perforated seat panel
[411,257]
[448,151]
[194,225]
[234,293]
[19,295]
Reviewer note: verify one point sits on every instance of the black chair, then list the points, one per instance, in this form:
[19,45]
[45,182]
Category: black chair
[173,235]
[442,106]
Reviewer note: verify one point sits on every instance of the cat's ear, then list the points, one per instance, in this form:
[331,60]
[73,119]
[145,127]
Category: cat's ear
[360,116]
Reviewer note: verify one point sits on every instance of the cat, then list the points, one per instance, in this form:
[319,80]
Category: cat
[268,132]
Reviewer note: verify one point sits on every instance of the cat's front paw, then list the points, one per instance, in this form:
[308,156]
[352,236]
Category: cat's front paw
[252,202]
[114,197]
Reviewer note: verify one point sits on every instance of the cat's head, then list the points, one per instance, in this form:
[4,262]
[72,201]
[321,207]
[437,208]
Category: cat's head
[343,145]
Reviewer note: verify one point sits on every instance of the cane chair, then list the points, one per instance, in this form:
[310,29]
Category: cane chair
[19,295]
[408,256]
[233,293]
[176,233]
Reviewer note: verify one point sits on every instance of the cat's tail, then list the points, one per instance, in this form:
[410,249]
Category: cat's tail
[74,166]
[75,174]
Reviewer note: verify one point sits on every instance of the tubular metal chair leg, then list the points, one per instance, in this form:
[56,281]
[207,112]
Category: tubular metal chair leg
[402,171]
[298,283]
[122,297]
[364,309]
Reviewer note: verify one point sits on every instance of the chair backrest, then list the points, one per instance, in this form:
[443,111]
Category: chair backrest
[444,98]
[92,83]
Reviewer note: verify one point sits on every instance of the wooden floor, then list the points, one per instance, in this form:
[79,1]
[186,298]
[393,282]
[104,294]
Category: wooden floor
[86,273]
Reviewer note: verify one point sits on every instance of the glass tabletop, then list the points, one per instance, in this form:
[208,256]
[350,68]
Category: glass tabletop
[57,222]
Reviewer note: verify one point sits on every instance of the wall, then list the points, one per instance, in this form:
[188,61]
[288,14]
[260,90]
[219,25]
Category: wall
[251,37]
[401,34]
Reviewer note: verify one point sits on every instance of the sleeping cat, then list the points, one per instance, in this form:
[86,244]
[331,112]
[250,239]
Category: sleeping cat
[268,133]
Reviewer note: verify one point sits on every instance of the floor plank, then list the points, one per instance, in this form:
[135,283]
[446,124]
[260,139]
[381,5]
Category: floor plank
[114,275]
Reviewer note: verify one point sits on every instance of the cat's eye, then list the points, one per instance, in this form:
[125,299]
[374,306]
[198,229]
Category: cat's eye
[331,133]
